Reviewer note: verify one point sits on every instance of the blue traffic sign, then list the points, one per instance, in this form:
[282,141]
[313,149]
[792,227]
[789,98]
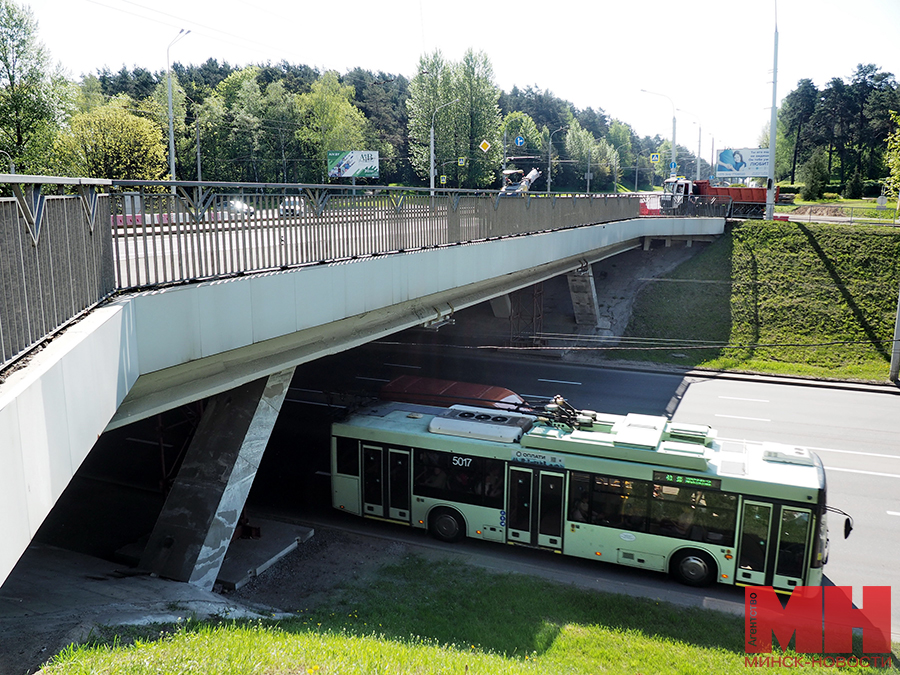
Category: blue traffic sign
[673,165]
[520,141]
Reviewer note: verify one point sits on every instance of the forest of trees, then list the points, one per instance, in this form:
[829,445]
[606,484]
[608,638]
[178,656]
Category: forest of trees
[275,123]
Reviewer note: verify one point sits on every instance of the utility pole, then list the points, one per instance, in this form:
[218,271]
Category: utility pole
[773,133]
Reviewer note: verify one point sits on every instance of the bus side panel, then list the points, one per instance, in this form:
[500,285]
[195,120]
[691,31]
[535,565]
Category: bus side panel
[345,493]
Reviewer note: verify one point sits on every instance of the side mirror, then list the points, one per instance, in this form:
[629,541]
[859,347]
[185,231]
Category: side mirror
[848,528]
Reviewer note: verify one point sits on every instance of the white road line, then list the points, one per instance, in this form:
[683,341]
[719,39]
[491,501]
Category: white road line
[402,365]
[751,419]
[808,447]
[371,379]
[752,400]
[867,473]
[893,513]
[559,382]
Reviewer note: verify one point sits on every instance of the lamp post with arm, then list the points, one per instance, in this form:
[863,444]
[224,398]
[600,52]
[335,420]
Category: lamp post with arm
[550,159]
[182,33]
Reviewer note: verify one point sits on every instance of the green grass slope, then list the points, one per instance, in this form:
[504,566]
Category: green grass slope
[814,300]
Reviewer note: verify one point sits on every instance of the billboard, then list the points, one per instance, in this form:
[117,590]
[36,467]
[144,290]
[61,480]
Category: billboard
[742,163]
[353,164]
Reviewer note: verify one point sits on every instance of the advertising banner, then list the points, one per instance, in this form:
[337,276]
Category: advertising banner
[353,164]
[742,163]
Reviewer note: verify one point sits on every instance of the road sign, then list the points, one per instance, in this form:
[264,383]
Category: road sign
[520,141]
[443,180]
[485,146]
[461,161]
[673,165]
[654,158]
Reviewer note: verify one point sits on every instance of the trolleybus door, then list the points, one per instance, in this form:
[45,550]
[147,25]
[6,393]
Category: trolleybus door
[518,510]
[756,521]
[526,525]
[373,483]
[398,484]
[793,547]
[550,510]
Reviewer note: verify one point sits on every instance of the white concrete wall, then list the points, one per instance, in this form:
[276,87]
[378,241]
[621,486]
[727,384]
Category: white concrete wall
[54,408]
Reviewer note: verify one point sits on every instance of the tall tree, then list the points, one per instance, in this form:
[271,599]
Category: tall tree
[330,122]
[110,142]
[476,120]
[427,105]
[30,100]
[797,109]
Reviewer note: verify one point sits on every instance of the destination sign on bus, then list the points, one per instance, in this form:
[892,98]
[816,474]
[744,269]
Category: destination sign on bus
[682,479]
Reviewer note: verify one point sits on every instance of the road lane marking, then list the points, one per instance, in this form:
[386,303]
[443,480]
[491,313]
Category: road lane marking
[402,365]
[751,419]
[893,513]
[371,379]
[738,398]
[559,382]
[867,473]
[815,449]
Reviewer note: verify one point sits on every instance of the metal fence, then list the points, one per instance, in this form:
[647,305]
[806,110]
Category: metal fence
[62,255]
[55,260]
[215,229]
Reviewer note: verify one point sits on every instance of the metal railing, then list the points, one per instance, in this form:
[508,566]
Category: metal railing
[55,258]
[209,230]
[61,255]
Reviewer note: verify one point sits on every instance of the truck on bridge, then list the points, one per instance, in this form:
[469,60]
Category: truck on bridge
[746,202]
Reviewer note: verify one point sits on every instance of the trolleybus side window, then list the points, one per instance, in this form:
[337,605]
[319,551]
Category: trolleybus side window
[459,478]
[691,513]
[608,500]
[347,456]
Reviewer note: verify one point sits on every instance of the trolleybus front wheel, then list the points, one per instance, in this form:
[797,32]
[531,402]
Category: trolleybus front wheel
[694,568]
[446,524]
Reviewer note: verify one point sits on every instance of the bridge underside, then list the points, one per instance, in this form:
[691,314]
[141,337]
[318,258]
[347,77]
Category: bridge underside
[158,350]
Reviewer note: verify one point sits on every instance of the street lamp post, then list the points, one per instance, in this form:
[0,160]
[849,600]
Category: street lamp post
[180,35]
[550,160]
[431,154]
[699,138]
[673,171]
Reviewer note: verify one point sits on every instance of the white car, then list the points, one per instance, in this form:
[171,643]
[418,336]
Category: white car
[238,207]
[292,206]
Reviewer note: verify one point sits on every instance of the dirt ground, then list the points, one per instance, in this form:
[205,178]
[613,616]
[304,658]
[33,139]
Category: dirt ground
[308,576]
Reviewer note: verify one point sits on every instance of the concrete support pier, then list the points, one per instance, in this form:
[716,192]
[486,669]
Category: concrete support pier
[584,297]
[196,525]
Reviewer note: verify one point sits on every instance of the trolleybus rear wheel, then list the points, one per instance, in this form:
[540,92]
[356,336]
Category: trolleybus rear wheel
[446,524]
[694,568]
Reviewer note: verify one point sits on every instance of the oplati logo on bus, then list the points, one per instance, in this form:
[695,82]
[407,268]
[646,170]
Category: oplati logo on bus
[821,619]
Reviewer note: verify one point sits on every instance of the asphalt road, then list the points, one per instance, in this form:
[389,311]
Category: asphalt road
[855,429]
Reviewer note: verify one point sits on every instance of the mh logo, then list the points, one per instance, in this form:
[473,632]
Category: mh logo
[822,618]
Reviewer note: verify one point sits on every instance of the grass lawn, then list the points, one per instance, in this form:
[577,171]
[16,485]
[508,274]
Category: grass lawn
[801,299]
[427,618]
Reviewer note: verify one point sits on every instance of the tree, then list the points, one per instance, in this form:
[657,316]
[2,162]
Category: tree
[814,174]
[110,142]
[797,109]
[330,121]
[30,98]
[893,157]
[461,100]
[475,119]
[517,124]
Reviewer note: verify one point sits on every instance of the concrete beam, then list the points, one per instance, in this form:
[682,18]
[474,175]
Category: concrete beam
[584,297]
[202,510]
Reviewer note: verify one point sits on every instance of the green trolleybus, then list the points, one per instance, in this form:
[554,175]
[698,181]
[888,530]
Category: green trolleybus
[636,490]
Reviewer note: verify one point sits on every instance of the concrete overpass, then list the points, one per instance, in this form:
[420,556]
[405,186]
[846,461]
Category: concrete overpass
[235,338]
